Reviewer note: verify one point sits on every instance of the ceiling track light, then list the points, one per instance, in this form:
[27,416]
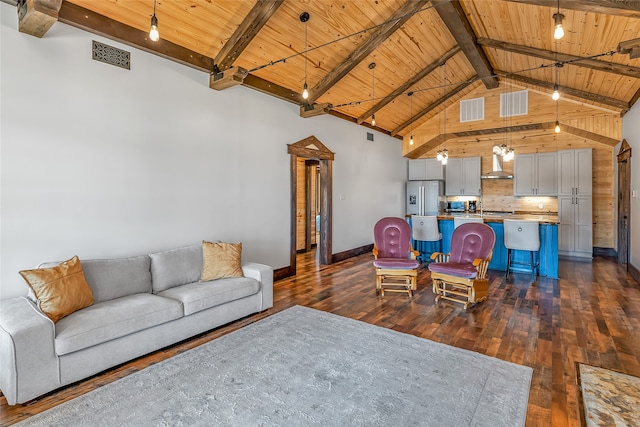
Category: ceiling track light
[372,67]
[304,17]
[154,34]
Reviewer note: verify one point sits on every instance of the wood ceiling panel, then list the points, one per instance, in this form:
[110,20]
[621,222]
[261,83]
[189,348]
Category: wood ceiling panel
[205,26]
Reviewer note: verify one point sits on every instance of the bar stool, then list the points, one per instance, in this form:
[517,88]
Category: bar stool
[523,236]
[458,220]
[425,229]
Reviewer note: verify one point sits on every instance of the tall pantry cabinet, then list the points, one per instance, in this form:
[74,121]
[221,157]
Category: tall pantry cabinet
[575,203]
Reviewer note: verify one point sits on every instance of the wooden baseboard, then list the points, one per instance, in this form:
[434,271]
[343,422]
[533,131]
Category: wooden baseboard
[634,272]
[281,273]
[341,256]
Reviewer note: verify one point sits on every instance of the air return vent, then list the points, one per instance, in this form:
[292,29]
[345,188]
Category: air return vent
[472,110]
[514,103]
[111,55]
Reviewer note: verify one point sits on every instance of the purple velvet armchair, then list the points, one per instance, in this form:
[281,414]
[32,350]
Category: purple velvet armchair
[395,263]
[460,276]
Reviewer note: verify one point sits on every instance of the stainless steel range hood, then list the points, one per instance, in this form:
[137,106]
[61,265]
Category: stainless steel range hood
[497,172]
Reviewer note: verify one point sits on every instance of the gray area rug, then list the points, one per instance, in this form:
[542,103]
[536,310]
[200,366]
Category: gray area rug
[303,367]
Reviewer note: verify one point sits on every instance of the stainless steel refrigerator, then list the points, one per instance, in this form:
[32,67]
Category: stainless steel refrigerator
[425,197]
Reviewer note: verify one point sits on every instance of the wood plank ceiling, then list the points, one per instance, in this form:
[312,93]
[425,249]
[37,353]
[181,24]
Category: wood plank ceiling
[482,42]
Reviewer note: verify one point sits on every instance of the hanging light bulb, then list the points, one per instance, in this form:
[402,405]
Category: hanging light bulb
[304,17]
[557,128]
[555,95]
[445,156]
[558,32]
[439,155]
[154,34]
[372,67]
[410,94]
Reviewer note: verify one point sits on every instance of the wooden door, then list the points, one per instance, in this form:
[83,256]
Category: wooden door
[624,202]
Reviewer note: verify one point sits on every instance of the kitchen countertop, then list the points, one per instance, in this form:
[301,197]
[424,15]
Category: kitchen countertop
[544,218]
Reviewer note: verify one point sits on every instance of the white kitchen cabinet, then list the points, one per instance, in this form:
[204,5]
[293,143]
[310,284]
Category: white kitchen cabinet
[462,176]
[425,169]
[575,172]
[575,203]
[535,174]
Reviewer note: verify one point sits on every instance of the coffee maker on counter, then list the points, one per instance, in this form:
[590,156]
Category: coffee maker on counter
[472,206]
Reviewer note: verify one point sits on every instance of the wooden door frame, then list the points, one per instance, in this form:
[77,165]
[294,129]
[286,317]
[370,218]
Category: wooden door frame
[312,148]
[624,203]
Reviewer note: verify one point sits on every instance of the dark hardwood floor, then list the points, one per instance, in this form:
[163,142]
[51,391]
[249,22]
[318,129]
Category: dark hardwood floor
[590,315]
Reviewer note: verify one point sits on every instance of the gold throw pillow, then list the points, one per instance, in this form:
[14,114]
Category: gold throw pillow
[60,290]
[221,260]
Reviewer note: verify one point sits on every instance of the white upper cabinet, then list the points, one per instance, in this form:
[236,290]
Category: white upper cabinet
[425,169]
[463,177]
[535,174]
[575,172]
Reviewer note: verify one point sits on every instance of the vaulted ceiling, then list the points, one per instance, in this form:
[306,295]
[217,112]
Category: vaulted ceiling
[261,44]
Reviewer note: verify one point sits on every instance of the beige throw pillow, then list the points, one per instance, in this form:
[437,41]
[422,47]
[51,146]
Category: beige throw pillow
[221,260]
[60,290]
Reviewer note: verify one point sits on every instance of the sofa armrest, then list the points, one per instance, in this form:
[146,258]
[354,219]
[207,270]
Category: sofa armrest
[28,361]
[263,274]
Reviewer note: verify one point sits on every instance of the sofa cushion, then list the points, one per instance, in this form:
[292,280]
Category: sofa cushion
[221,260]
[112,319]
[59,290]
[200,296]
[115,278]
[176,267]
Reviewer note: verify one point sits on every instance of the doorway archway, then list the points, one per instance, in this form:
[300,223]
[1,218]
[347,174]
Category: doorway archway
[312,148]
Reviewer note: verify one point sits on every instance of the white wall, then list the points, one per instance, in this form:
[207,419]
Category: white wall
[631,132]
[98,161]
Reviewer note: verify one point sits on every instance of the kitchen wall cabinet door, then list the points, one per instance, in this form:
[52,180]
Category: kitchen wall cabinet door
[463,177]
[425,169]
[535,174]
[575,172]
[575,230]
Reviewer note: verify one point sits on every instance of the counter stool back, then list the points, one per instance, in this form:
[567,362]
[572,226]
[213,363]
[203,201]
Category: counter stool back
[425,229]
[459,220]
[522,235]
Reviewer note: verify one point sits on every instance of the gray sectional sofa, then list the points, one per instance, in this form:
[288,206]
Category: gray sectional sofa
[141,304]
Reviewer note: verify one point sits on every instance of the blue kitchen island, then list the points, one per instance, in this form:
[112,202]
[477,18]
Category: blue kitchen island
[547,255]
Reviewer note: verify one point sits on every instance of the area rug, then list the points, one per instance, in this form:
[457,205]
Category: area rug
[303,367]
[609,398]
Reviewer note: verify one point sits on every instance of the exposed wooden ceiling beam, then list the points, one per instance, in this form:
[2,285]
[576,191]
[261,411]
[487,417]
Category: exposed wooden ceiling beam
[630,47]
[35,17]
[407,85]
[430,107]
[98,24]
[246,31]
[608,67]
[583,133]
[454,18]
[621,105]
[437,140]
[627,8]
[272,89]
[379,35]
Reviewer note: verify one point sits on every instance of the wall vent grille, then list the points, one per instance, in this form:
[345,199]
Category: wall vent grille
[472,110]
[514,103]
[111,55]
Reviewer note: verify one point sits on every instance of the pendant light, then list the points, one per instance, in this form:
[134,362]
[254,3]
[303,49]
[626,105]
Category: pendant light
[557,128]
[304,17]
[443,155]
[410,118]
[372,67]
[154,35]
[558,31]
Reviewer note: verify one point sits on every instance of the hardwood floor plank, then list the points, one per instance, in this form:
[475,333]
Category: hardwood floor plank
[590,315]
